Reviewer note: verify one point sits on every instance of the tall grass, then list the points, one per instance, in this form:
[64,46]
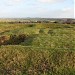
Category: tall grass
[21,60]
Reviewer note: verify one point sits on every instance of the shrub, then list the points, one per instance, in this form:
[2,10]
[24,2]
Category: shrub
[31,25]
[41,31]
[13,39]
[16,39]
[50,32]
[4,39]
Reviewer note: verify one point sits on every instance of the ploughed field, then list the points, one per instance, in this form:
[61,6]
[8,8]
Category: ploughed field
[37,49]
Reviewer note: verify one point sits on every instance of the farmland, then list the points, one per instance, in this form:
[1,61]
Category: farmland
[37,49]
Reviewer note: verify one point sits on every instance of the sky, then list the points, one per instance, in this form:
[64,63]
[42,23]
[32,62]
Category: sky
[37,8]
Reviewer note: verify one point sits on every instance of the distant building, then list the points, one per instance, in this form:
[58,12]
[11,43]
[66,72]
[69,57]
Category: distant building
[53,22]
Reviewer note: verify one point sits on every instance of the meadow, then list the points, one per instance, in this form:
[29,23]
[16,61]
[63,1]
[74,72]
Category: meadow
[37,49]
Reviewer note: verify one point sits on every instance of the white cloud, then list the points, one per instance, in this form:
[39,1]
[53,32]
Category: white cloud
[12,2]
[50,1]
[67,12]
[58,13]
[67,9]
[15,0]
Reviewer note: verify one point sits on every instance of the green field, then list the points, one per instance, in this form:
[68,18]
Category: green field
[37,49]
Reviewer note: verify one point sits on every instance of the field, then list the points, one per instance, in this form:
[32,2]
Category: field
[37,49]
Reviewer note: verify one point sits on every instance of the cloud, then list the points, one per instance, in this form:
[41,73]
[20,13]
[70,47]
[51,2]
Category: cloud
[12,2]
[68,12]
[15,0]
[26,8]
[50,1]
[57,13]
[67,9]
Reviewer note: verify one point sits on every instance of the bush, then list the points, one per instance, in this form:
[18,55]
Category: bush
[13,39]
[50,32]
[17,39]
[41,31]
[4,39]
[31,25]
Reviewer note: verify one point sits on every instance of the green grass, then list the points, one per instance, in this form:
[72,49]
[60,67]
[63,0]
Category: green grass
[48,49]
[23,60]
